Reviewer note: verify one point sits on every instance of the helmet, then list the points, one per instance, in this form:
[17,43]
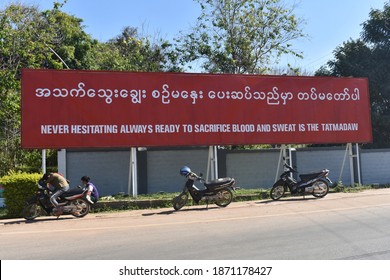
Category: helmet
[185,170]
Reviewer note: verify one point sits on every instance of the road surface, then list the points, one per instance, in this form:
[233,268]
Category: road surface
[338,227]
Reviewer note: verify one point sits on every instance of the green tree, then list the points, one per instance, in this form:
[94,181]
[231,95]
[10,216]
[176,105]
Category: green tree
[16,52]
[240,36]
[52,39]
[376,33]
[130,51]
[67,44]
[30,38]
[369,56]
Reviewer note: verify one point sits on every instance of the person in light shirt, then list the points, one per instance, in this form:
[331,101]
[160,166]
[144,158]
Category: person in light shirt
[59,184]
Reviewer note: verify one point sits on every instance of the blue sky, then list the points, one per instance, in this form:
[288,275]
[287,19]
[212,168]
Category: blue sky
[328,22]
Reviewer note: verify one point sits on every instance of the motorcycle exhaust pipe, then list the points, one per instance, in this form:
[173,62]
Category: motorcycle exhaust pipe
[309,189]
[211,198]
[69,209]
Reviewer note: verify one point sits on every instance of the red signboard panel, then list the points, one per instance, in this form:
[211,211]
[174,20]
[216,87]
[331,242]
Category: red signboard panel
[64,109]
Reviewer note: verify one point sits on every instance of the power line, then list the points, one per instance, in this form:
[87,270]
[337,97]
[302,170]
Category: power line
[314,61]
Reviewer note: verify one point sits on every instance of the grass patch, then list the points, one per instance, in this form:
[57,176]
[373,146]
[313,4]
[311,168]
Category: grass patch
[3,212]
[125,197]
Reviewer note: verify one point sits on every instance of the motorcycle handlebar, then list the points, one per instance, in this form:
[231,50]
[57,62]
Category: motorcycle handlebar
[290,168]
[193,175]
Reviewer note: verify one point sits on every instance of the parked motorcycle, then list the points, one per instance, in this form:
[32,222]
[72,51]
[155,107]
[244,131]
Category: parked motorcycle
[316,184]
[218,191]
[71,202]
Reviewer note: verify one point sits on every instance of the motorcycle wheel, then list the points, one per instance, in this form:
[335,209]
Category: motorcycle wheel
[31,211]
[80,202]
[320,189]
[224,197]
[277,192]
[179,201]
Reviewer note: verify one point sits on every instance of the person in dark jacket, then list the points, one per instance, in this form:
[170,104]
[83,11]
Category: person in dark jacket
[92,193]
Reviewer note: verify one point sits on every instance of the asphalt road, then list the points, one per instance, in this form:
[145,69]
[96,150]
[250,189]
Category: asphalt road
[337,227]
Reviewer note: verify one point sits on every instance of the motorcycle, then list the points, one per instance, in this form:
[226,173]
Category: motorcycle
[71,202]
[316,184]
[219,190]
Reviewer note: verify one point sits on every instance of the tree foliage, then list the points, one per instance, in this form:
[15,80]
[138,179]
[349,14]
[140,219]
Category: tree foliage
[52,39]
[30,38]
[131,52]
[16,51]
[240,36]
[369,56]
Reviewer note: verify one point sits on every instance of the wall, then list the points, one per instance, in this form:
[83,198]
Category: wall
[257,169]
[158,169]
[315,159]
[252,169]
[375,166]
[163,168]
[108,170]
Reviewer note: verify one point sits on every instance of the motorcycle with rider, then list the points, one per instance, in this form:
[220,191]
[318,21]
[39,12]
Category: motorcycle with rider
[52,200]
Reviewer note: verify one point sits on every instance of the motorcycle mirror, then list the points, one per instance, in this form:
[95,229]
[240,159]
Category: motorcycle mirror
[201,174]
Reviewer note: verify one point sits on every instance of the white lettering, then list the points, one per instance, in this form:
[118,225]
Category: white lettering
[167,128]
[283,127]
[209,128]
[340,126]
[54,129]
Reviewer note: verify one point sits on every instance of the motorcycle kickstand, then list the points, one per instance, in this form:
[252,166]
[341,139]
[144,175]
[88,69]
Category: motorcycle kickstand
[207,204]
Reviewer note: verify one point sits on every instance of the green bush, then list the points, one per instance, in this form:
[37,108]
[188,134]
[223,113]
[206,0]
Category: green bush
[18,187]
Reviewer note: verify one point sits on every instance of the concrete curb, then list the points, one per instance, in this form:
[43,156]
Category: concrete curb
[160,203]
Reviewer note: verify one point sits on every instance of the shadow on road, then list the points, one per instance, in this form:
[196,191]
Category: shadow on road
[293,198]
[22,221]
[169,212]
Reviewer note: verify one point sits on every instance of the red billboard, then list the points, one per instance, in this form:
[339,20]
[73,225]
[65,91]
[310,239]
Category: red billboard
[67,108]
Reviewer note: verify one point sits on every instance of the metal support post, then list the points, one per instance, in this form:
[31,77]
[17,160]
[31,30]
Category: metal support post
[282,156]
[212,164]
[133,174]
[44,161]
[352,171]
[358,164]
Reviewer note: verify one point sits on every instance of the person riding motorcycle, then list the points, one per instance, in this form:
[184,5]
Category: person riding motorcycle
[60,184]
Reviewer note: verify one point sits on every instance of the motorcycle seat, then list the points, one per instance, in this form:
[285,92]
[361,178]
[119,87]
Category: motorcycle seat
[72,191]
[218,182]
[309,176]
